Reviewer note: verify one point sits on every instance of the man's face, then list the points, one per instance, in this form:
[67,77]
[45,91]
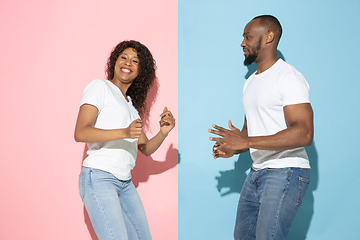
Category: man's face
[252,41]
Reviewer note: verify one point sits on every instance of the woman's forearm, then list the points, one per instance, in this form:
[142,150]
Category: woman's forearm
[91,134]
[150,146]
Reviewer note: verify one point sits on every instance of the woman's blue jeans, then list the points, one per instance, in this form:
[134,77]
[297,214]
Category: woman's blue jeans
[114,206]
[269,201]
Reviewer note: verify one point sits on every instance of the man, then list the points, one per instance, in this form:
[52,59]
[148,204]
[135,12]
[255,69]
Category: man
[278,124]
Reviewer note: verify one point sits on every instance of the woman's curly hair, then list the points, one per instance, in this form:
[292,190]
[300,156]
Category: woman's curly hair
[138,90]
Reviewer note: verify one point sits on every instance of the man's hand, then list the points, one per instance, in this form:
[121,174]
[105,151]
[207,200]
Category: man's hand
[220,151]
[230,141]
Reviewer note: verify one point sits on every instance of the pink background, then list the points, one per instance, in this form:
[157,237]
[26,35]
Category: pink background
[50,50]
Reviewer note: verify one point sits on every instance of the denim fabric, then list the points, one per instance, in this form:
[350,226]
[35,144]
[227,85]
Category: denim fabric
[114,206]
[269,201]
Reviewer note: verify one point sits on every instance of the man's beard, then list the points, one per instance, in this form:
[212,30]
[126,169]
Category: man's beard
[250,59]
[253,56]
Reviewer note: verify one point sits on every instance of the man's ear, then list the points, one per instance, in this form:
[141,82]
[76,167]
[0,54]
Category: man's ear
[270,37]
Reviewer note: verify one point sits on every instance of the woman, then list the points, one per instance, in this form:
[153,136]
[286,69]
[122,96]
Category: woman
[109,122]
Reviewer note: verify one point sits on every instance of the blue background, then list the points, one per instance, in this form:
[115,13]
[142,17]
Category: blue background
[321,39]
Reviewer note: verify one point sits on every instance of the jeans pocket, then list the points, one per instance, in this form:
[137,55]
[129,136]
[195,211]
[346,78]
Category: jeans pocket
[303,185]
[97,175]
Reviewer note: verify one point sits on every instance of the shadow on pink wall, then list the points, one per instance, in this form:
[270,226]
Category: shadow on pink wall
[145,166]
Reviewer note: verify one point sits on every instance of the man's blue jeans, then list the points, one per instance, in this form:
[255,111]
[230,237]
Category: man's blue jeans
[114,206]
[269,201]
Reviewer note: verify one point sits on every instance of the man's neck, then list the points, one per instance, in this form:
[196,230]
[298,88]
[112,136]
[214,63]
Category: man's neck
[265,65]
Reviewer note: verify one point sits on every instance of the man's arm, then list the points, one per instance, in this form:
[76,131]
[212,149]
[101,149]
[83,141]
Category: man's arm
[300,131]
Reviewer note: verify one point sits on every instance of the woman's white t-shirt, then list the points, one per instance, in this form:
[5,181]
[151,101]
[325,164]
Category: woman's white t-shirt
[117,157]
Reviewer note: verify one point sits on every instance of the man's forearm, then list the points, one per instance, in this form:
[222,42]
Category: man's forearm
[292,137]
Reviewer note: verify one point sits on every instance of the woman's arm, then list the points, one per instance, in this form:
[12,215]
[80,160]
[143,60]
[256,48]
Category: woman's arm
[86,132]
[167,123]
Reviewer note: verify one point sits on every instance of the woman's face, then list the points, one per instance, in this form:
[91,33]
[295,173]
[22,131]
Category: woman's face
[126,66]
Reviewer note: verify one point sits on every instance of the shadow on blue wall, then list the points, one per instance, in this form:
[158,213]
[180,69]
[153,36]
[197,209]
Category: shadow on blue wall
[231,181]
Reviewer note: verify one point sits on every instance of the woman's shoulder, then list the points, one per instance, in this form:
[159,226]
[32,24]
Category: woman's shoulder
[96,85]
[97,82]
[96,93]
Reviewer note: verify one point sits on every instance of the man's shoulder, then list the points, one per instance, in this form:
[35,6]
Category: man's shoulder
[286,67]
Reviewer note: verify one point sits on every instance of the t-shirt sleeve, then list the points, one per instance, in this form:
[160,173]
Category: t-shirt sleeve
[293,88]
[95,94]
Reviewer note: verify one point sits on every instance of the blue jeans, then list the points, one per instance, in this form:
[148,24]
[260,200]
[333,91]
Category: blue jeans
[269,201]
[114,206]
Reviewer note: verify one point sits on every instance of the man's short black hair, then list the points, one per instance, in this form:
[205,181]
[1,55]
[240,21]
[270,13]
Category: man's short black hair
[271,23]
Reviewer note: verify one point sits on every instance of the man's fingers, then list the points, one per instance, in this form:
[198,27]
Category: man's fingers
[215,132]
[218,154]
[231,126]
[215,139]
[219,128]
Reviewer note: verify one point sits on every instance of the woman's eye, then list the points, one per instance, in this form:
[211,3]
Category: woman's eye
[123,57]
[135,61]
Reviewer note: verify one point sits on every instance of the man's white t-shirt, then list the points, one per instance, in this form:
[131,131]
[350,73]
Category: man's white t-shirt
[264,97]
[117,157]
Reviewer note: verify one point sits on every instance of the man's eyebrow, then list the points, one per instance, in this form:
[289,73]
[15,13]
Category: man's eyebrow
[246,33]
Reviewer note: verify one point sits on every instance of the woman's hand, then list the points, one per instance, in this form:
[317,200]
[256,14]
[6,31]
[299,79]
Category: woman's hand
[134,130]
[167,122]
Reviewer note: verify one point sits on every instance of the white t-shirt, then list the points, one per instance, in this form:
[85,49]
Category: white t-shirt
[264,97]
[117,157]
